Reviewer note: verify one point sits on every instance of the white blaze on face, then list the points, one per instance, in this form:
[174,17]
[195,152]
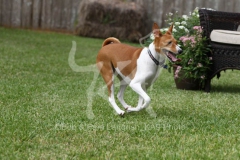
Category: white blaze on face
[178,48]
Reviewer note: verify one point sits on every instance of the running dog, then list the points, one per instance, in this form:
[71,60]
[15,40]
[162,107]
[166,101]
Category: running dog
[136,67]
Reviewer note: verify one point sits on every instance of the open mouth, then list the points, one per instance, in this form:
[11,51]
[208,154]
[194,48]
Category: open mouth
[171,56]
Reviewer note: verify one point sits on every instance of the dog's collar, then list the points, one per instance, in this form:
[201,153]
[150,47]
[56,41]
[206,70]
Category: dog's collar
[154,59]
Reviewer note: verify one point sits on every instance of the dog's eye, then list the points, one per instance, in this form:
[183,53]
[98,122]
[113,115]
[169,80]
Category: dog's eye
[169,43]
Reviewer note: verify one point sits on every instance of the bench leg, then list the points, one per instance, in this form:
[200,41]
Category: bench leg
[208,85]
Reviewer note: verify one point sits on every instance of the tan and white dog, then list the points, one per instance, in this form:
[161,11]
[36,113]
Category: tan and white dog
[136,67]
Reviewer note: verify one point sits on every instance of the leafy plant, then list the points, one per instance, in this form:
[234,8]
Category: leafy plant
[194,59]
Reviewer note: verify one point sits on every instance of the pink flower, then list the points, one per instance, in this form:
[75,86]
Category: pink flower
[186,39]
[177,71]
[183,39]
[198,28]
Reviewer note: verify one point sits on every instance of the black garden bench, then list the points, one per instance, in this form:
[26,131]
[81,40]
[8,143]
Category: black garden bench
[224,55]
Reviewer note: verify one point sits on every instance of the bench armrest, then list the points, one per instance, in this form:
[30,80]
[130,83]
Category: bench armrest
[210,20]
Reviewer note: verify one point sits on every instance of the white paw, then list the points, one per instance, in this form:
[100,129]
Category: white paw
[130,109]
[121,113]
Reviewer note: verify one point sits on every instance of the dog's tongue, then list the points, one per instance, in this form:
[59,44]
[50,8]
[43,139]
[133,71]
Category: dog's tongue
[173,58]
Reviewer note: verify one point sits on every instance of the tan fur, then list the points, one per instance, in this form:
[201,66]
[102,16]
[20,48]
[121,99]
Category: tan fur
[110,40]
[161,40]
[111,56]
[113,53]
[134,66]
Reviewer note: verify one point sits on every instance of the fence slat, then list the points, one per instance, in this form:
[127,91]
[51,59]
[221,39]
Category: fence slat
[46,14]
[16,13]
[156,16]
[220,5]
[1,15]
[36,15]
[56,14]
[237,6]
[177,6]
[74,14]
[7,12]
[188,6]
[66,15]
[228,5]
[27,13]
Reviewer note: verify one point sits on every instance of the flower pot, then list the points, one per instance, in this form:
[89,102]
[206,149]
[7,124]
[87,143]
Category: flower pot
[185,83]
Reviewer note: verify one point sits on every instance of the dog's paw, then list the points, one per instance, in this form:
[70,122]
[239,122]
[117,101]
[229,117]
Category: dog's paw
[127,107]
[130,109]
[121,113]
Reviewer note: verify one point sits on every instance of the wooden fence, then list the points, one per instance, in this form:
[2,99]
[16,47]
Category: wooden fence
[63,14]
[39,14]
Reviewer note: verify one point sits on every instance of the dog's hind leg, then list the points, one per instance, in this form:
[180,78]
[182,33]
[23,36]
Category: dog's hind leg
[112,99]
[120,95]
[108,76]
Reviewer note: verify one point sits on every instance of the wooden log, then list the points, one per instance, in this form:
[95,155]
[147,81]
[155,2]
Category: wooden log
[27,13]
[36,14]
[6,12]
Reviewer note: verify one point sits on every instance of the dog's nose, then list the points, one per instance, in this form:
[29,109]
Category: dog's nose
[179,51]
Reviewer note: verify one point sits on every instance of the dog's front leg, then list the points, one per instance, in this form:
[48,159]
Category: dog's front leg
[137,87]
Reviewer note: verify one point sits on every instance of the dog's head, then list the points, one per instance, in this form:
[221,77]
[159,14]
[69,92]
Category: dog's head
[165,43]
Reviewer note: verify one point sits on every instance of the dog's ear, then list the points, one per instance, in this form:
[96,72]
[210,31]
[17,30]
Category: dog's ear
[170,29]
[156,30]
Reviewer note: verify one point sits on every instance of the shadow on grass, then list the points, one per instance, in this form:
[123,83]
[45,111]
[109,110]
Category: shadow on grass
[231,88]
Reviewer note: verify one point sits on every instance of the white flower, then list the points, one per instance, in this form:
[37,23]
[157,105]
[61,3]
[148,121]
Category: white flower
[152,37]
[163,29]
[177,23]
[185,17]
[184,23]
[174,30]
[181,27]
[196,9]
[170,14]
[186,30]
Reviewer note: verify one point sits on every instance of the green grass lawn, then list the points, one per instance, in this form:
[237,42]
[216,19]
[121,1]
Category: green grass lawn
[44,106]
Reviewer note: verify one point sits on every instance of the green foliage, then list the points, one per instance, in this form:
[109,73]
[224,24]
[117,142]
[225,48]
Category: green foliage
[195,61]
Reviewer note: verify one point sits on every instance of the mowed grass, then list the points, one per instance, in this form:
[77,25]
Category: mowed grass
[45,108]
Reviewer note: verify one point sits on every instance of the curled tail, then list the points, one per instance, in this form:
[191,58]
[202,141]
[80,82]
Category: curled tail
[110,40]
